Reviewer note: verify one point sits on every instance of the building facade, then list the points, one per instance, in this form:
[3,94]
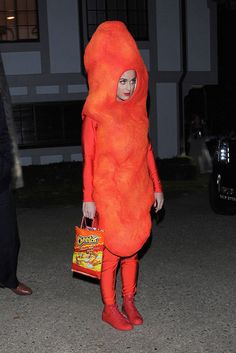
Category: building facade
[177,40]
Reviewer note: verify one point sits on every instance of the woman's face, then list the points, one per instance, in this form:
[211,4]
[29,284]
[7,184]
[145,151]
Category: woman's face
[126,85]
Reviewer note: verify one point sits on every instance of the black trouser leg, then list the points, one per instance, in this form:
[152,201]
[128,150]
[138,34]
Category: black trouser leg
[9,241]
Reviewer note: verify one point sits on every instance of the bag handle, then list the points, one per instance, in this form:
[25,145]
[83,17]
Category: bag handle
[84,223]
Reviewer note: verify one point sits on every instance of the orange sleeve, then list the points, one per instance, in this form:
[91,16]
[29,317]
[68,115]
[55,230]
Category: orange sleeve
[153,170]
[88,144]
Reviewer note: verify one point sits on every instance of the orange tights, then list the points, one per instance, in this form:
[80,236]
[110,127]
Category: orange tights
[128,268]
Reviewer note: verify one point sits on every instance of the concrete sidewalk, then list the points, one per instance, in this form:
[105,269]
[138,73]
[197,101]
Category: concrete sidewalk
[186,289]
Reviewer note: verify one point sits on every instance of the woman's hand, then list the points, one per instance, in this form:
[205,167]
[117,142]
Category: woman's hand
[159,201]
[89,209]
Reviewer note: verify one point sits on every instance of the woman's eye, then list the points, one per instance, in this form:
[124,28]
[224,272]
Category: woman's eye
[122,82]
[133,82]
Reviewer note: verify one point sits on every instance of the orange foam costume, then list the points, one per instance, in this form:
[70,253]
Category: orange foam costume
[119,173]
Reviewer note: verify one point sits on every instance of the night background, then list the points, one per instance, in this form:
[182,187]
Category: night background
[217,103]
[186,280]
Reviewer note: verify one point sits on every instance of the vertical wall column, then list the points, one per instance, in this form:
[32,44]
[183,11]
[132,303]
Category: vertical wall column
[198,35]
[167,119]
[64,41]
[168,73]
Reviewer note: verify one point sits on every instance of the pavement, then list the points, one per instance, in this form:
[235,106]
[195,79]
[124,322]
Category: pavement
[186,289]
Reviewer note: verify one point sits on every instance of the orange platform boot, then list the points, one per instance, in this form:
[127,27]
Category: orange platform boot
[115,318]
[130,310]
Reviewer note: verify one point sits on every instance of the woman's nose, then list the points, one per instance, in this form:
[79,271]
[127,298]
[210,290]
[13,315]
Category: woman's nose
[129,86]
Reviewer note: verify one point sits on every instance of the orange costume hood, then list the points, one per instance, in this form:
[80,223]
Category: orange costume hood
[122,187]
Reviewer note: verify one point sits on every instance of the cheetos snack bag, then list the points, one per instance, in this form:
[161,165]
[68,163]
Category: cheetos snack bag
[88,250]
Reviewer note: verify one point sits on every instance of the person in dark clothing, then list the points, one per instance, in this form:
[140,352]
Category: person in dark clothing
[9,238]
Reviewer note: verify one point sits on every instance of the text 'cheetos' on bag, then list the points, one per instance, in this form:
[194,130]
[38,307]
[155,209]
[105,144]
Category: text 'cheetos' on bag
[88,250]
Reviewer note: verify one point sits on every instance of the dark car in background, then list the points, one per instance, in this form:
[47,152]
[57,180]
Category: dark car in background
[216,107]
[222,184]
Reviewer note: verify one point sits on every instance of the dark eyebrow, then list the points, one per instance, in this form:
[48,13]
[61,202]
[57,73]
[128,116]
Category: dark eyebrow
[125,79]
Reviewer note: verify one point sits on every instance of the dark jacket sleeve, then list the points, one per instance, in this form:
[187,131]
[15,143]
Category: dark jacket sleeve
[5,151]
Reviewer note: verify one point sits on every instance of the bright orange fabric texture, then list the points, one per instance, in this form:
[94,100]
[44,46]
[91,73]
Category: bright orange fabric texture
[89,143]
[128,270]
[122,186]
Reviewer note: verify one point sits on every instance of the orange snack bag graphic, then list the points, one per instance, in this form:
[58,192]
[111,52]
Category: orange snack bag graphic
[88,251]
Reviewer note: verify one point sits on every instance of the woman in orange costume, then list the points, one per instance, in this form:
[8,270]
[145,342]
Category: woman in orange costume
[120,178]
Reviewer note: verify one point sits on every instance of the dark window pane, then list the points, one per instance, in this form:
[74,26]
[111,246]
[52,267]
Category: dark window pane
[142,18]
[22,18]
[31,5]
[133,20]
[21,5]
[23,32]
[91,30]
[72,129]
[112,15]
[18,20]
[34,31]
[132,12]
[134,30]
[131,4]
[101,5]
[121,15]
[9,4]
[101,16]
[73,121]
[24,122]
[28,130]
[92,17]
[112,5]
[143,33]
[51,124]
[92,4]
[11,34]
[33,18]
[48,123]
[3,21]
[141,5]
[122,5]
[18,128]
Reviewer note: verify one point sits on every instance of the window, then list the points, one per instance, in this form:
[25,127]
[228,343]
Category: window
[48,124]
[18,20]
[132,12]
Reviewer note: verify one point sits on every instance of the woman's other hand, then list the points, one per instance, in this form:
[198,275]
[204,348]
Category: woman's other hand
[89,209]
[159,201]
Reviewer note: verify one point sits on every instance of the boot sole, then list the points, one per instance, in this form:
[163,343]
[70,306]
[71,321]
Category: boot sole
[117,328]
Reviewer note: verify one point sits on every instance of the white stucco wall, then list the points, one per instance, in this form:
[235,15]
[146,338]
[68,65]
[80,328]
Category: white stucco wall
[64,39]
[22,63]
[167,127]
[198,35]
[168,35]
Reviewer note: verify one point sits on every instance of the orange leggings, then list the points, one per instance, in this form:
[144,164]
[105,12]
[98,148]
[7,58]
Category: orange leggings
[128,268]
